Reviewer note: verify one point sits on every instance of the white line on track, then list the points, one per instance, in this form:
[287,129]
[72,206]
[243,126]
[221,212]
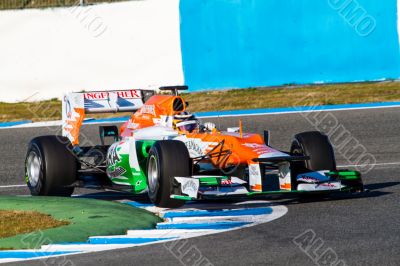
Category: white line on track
[296,111]
[374,164]
[13,186]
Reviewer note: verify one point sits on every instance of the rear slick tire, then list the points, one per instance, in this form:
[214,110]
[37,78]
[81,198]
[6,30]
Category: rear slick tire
[50,166]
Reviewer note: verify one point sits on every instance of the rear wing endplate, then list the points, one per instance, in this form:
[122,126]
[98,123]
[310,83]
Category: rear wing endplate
[76,105]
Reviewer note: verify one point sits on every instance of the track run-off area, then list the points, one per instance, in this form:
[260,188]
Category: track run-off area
[348,229]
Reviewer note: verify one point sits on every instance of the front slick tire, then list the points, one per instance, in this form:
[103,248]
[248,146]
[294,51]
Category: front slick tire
[167,159]
[50,166]
[318,147]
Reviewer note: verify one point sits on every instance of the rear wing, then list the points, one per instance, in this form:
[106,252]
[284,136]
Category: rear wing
[75,106]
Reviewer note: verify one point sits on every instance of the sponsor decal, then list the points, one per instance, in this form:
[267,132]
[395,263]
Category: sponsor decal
[313,177]
[119,171]
[255,177]
[285,176]
[226,182]
[258,148]
[68,108]
[148,109]
[320,187]
[96,96]
[330,185]
[194,148]
[112,156]
[129,94]
[253,170]
[308,179]
[189,186]
[132,125]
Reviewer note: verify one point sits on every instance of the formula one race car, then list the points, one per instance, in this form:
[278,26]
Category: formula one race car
[167,152]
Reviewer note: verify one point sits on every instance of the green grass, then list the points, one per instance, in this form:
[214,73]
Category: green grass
[295,96]
[82,217]
[37,111]
[270,97]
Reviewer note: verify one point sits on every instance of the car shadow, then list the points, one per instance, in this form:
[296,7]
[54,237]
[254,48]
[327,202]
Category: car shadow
[371,191]
[115,196]
[376,186]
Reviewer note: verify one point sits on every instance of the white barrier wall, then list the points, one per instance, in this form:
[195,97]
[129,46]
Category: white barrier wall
[126,45]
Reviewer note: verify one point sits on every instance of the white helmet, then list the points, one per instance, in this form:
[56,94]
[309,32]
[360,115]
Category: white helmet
[186,122]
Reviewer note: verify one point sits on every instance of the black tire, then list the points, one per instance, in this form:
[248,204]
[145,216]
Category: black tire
[54,168]
[318,147]
[172,159]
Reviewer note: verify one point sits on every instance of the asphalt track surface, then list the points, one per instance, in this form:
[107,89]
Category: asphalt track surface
[360,230]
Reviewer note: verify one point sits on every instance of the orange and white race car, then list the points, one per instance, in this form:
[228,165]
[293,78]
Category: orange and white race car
[167,152]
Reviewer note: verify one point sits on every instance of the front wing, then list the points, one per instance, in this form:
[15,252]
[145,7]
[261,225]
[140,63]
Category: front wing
[224,187]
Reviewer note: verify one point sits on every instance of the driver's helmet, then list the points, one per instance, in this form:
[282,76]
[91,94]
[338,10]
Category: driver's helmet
[185,121]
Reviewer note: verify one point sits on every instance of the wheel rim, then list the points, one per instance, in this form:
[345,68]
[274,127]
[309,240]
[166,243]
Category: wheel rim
[152,174]
[34,165]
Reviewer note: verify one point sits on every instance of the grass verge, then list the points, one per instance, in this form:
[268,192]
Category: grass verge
[21,222]
[85,217]
[21,4]
[295,96]
[252,98]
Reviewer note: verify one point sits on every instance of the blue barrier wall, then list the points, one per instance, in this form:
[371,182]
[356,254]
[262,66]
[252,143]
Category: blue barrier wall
[244,43]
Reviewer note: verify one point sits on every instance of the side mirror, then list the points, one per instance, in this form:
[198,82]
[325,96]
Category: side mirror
[267,137]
